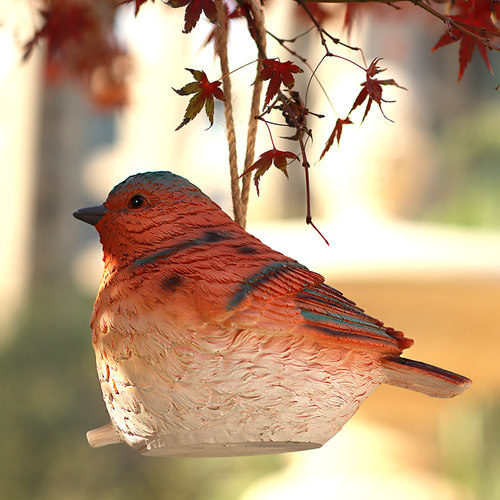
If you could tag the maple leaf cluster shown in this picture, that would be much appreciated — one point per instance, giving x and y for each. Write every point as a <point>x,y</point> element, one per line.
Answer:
<point>480,20</point>
<point>295,112</point>
<point>80,40</point>
<point>81,43</point>
<point>80,37</point>
<point>281,78</point>
<point>371,91</point>
<point>279,74</point>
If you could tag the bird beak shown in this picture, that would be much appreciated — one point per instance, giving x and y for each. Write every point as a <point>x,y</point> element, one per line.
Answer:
<point>91,215</point>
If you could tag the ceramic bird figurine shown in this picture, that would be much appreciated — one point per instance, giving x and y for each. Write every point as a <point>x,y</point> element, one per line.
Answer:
<point>210,343</point>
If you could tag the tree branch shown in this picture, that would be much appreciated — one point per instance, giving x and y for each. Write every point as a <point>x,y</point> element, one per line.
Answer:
<point>468,30</point>
<point>455,24</point>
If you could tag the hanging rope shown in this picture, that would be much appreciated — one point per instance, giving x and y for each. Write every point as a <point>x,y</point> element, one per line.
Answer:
<point>240,197</point>
<point>260,29</point>
<point>221,49</point>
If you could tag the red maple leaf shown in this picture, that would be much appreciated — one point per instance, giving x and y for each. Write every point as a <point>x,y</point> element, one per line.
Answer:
<point>262,165</point>
<point>277,73</point>
<point>355,11</point>
<point>475,15</point>
<point>372,89</point>
<point>204,93</point>
<point>320,12</point>
<point>239,11</point>
<point>81,44</point>
<point>63,23</point>
<point>138,4</point>
<point>336,133</point>
<point>193,12</point>
<point>352,11</point>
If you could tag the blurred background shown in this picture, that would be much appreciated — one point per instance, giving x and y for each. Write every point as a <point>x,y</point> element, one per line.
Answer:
<point>411,210</point>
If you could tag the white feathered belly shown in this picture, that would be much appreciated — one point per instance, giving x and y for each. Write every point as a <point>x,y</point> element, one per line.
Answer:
<point>227,393</point>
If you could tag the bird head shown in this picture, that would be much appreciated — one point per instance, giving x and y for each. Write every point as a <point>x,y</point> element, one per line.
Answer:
<point>147,211</point>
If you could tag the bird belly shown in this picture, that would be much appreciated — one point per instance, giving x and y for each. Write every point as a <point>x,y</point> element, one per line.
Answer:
<point>221,393</point>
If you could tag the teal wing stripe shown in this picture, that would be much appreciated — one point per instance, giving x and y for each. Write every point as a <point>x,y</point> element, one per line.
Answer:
<point>344,323</point>
<point>264,275</point>
<point>326,307</point>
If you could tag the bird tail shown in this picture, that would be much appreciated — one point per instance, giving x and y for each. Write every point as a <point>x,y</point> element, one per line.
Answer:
<point>424,378</point>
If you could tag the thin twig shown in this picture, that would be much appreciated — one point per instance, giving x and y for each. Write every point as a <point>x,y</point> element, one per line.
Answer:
<point>295,38</point>
<point>305,164</point>
<point>322,32</point>
<point>313,75</point>
<point>283,43</point>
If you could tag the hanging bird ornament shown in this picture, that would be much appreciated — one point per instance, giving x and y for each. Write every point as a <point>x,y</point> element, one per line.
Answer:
<point>210,343</point>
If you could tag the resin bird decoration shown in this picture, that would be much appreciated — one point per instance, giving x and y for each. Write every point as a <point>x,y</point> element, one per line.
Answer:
<point>210,343</point>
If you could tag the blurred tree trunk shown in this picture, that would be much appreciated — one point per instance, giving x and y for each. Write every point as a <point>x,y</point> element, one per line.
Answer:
<point>70,132</point>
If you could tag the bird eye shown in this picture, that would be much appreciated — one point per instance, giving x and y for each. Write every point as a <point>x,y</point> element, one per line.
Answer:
<point>136,202</point>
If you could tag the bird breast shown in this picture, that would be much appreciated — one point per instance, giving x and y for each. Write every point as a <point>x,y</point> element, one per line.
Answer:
<point>171,389</point>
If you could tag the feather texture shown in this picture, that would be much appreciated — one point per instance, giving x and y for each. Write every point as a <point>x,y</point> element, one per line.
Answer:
<point>208,342</point>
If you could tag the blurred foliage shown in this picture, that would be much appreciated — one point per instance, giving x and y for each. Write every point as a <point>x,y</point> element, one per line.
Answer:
<point>473,457</point>
<point>469,188</point>
<point>50,398</point>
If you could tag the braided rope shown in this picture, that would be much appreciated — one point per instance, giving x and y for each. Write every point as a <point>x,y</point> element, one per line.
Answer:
<point>258,16</point>
<point>221,49</point>
<point>240,198</point>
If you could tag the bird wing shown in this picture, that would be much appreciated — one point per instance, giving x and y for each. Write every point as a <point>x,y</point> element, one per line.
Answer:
<point>326,310</point>
<point>286,296</point>
<point>240,282</point>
